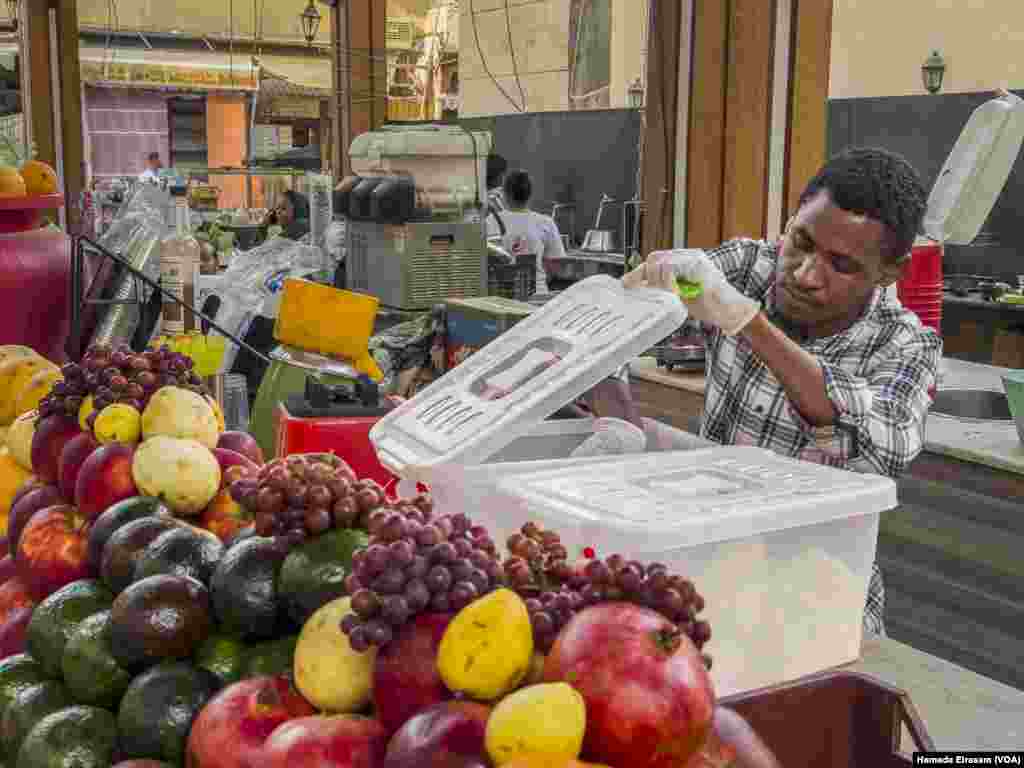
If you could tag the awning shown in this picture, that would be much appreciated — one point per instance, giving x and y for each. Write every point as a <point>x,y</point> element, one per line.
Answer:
<point>168,70</point>
<point>292,88</point>
<point>298,76</point>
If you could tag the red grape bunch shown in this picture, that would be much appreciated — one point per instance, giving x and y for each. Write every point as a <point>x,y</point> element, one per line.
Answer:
<point>415,563</point>
<point>554,590</point>
<point>115,374</point>
<point>306,495</point>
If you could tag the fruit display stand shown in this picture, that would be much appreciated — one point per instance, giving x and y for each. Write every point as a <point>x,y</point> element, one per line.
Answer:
<point>173,598</point>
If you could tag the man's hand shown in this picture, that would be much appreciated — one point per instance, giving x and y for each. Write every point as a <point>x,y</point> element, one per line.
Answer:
<point>718,304</point>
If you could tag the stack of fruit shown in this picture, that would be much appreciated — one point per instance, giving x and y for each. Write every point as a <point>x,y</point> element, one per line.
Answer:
<point>172,598</point>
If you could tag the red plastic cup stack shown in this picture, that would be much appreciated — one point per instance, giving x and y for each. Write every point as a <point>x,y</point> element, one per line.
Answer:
<point>920,288</point>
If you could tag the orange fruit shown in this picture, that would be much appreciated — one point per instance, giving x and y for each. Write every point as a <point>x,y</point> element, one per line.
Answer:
<point>40,178</point>
<point>11,182</point>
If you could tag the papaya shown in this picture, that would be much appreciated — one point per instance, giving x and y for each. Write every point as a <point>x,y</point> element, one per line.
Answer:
<point>15,374</point>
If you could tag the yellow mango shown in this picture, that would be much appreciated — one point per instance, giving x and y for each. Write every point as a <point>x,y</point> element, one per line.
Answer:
<point>38,387</point>
<point>15,374</point>
<point>487,648</point>
<point>328,672</point>
<point>548,719</point>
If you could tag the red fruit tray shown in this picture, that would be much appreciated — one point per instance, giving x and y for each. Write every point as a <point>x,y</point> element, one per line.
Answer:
<point>834,720</point>
<point>21,214</point>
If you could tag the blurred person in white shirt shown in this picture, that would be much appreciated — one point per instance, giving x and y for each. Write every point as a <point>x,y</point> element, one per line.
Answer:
<point>527,232</point>
<point>153,166</point>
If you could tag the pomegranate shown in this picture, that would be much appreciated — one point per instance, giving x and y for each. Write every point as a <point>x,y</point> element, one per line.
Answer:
<point>649,697</point>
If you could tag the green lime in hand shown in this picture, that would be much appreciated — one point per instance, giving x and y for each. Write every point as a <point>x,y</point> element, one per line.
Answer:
<point>688,290</point>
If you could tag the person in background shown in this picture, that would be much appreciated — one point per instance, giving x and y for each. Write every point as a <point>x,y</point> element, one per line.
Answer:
<point>153,166</point>
<point>527,232</point>
<point>806,353</point>
<point>496,168</point>
<point>291,214</point>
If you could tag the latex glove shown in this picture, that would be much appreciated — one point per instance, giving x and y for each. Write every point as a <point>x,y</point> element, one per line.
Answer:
<point>718,304</point>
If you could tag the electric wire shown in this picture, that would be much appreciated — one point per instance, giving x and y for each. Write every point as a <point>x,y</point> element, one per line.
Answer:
<point>512,53</point>
<point>483,60</point>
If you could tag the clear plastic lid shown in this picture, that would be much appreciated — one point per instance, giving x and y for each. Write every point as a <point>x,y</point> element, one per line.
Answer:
<point>654,502</point>
<point>546,360</point>
<point>976,171</point>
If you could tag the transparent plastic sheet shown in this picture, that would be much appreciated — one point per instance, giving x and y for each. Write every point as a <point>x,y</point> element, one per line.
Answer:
<point>135,233</point>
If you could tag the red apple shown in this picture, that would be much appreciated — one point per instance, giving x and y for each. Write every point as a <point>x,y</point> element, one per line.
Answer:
<point>29,485</point>
<point>52,551</point>
<point>405,676</point>
<point>7,569</point>
<point>231,729</point>
<point>105,479</point>
<point>22,510</point>
<point>339,741</point>
<point>648,694</point>
<point>243,443</point>
<point>16,605</point>
<point>76,451</point>
<point>48,441</point>
<point>438,736</point>
<point>225,517</point>
<point>732,742</point>
<point>227,459</point>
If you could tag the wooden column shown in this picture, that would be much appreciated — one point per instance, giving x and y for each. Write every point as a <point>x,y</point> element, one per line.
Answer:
<point>659,166</point>
<point>359,76</point>
<point>807,140</point>
<point>755,91</point>
<point>39,101</point>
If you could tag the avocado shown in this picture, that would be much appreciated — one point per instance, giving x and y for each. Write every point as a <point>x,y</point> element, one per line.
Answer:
<point>273,657</point>
<point>16,674</point>
<point>122,513</point>
<point>314,573</point>
<point>28,708</point>
<point>224,656</point>
<point>75,737</point>
<point>161,617</point>
<point>91,672</point>
<point>58,616</point>
<point>244,588</point>
<point>183,551</point>
<point>158,708</point>
<point>124,547</point>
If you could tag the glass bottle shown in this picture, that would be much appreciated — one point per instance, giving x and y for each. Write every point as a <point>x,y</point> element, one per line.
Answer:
<point>179,256</point>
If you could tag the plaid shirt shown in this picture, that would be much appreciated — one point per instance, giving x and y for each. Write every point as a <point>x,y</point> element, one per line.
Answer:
<point>877,375</point>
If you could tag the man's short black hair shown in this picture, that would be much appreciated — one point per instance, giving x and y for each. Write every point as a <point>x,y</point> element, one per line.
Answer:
<point>875,182</point>
<point>153,156</point>
<point>518,188</point>
<point>496,167</point>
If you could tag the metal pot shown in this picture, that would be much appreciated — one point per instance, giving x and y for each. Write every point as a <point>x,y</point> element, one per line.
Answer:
<point>600,241</point>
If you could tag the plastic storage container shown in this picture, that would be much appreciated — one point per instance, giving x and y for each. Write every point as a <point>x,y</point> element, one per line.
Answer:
<point>780,549</point>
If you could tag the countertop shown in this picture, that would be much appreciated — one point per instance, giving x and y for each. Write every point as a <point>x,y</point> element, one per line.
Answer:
<point>960,709</point>
<point>993,444</point>
<point>975,300</point>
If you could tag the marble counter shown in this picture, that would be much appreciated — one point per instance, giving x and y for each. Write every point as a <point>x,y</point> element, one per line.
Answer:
<point>993,444</point>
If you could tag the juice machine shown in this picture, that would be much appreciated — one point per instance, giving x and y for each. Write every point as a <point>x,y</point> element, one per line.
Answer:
<point>414,213</point>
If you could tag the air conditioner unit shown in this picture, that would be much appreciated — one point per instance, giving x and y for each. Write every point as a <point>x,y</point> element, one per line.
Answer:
<point>399,34</point>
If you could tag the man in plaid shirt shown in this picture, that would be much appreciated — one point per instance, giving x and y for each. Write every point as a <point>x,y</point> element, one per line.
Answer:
<point>806,354</point>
